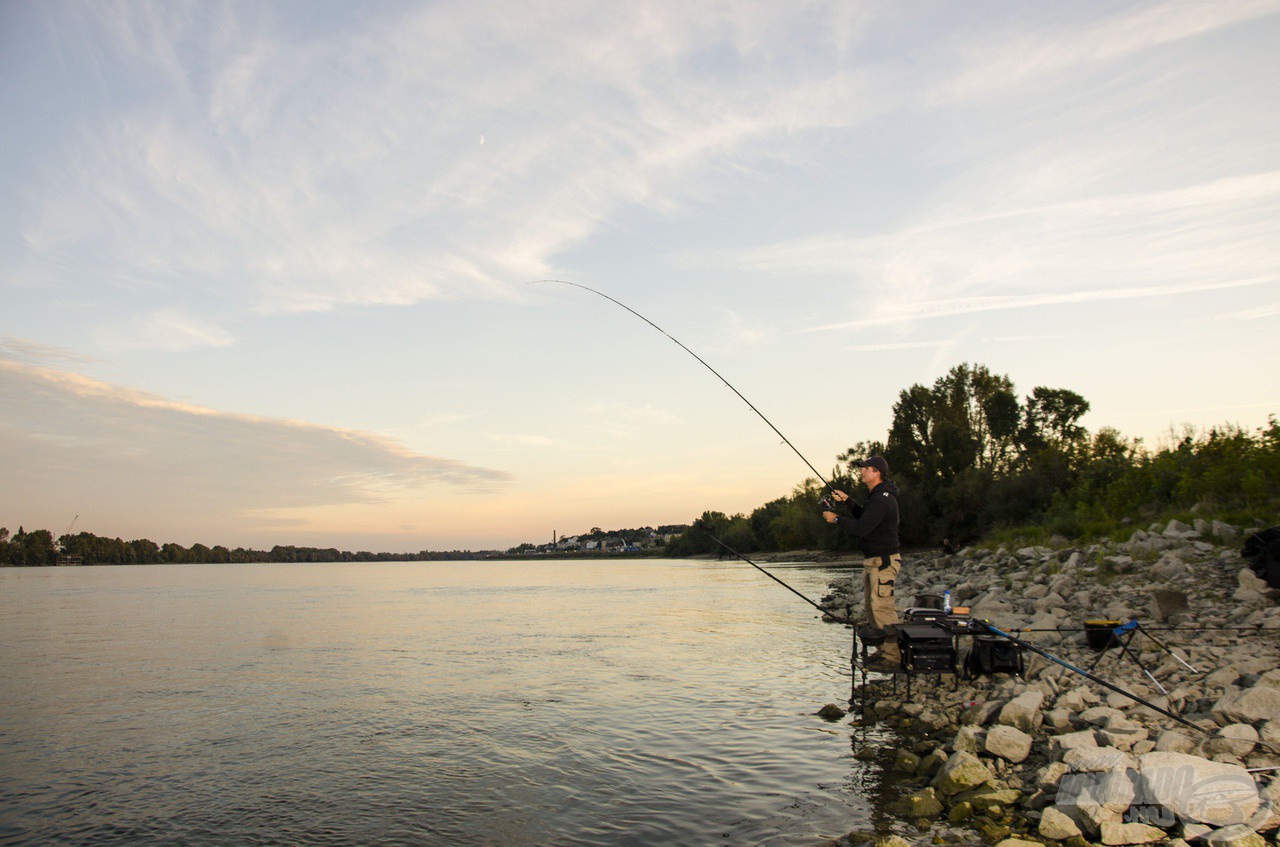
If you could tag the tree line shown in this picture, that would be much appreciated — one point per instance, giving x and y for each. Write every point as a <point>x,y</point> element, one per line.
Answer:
<point>39,547</point>
<point>972,458</point>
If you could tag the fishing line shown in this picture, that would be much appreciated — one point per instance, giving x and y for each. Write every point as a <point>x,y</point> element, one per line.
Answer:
<point>826,612</point>
<point>701,361</point>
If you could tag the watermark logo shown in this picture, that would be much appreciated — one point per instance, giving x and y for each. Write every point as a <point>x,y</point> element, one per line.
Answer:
<point>1219,795</point>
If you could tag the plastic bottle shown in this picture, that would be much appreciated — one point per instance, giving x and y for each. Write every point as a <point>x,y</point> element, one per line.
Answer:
<point>946,601</point>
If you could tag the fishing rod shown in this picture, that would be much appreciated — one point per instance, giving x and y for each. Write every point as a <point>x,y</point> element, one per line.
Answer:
<point>701,361</point>
<point>708,533</point>
<point>826,613</point>
<point>1033,648</point>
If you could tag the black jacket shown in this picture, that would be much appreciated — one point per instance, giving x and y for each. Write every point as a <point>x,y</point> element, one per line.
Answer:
<point>875,522</point>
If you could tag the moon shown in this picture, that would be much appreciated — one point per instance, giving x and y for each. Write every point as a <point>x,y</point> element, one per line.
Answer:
<point>482,139</point>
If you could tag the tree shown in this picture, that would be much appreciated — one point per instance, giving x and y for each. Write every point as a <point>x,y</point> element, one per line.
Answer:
<point>1051,419</point>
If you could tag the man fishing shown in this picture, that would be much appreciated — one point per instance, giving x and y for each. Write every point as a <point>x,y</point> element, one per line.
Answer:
<point>875,523</point>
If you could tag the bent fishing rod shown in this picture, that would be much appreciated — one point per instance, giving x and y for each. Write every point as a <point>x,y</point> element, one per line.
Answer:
<point>702,362</point>
<point>826,612</point>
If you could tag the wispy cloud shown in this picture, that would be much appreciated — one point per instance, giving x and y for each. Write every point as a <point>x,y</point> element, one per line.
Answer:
<point>294,167</point>
<point>34,353</point>
<point>163,329</point>
<point>75,439</point>
<point>1266,310</point>
<point>952,308</point>
<point>1017,55</point>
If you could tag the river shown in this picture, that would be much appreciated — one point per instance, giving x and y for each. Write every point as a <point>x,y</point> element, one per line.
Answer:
<point>627,702</point>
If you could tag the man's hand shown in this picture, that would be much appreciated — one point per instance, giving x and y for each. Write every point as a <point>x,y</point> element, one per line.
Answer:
<point>839,495</point>
<point>830,516</point>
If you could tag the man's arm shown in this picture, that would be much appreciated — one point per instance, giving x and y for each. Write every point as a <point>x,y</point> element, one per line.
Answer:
<point>866,518</point>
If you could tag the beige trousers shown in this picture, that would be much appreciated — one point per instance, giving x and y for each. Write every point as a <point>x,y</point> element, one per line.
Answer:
<point>878,581</point>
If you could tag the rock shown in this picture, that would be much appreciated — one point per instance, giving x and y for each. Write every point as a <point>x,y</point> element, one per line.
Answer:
<point>1098,760</point>
<point>1009,743</point>
<point>930,764</point>
<point>1196,789</point>
<point>1176,529</point>
<point>1172,741</point>
<point>1250,705</point>
<point>920,804</point>
<point>1023,711</point>
<point>1018,842</point>
<point>1074,700</point>
<point>1225,532</point>
<point>985,798</point>
<point>979,714</point>
<point>1131,833</point>
<point>1122,733</point>
<point>1195,831</point>
<point>1093,799</point>
<point>1049,775</point>
<point>1058,720</point>
<point>831,712</point>
<point>1100,715</point>
<point>1253,590</point>
<point>1237,835</point>
<point>1165,603</point>
<point>1267,817</point>
<point>1237,740</point>
<point>969,739</point>
<point>960,773</point>
<point>1060,745</point>
<point>892,841</point>
<point>1057,826</point>
<point>904,761</point>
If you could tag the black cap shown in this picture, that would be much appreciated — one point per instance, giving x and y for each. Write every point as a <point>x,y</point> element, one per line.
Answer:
<point>876,462</point>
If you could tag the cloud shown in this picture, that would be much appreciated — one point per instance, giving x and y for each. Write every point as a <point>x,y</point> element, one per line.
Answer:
<point>953,308</point>
<point>1016,56</point>
<point>163,329</point>
<point>1208,236</point>
<point>68,439</point>
<point>341,167</point>
<point>1267,310</point>
<point>31,352</point>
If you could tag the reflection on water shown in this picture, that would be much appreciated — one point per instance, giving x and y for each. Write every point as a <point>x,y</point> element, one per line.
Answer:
<point>421,703</point>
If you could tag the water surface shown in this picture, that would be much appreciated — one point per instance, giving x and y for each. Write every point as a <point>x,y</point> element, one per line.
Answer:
<point>515,703</point>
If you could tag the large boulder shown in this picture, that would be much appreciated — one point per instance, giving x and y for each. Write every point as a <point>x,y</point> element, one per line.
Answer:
<point>1249,705</point>
<point>961,772</point>
<point>920,804</point>
<point>1236,835</point>
<point>1008,743</point>
<point>1236,740</point>
<point>1197,790</point>
<point>1023,711</point>
<point>1093,799</point>
<point>1058,826</point>
<point>1116,833</point>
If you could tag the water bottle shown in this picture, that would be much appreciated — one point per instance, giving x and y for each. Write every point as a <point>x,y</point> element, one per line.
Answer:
<point>946,601</point>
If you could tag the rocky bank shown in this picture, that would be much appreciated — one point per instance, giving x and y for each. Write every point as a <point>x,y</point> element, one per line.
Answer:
<point>1051,757</point>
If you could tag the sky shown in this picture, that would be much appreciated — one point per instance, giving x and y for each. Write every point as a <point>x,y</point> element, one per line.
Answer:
<point>268,269</point>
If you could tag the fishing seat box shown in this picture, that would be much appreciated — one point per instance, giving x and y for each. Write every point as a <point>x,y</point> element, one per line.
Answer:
<point>926,648</point>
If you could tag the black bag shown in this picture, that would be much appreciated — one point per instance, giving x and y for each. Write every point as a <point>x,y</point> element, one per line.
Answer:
<point>1262,550</point>
<point>993,654</point>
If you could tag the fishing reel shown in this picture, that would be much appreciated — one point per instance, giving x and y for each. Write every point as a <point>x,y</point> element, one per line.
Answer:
<point>826,505</point>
